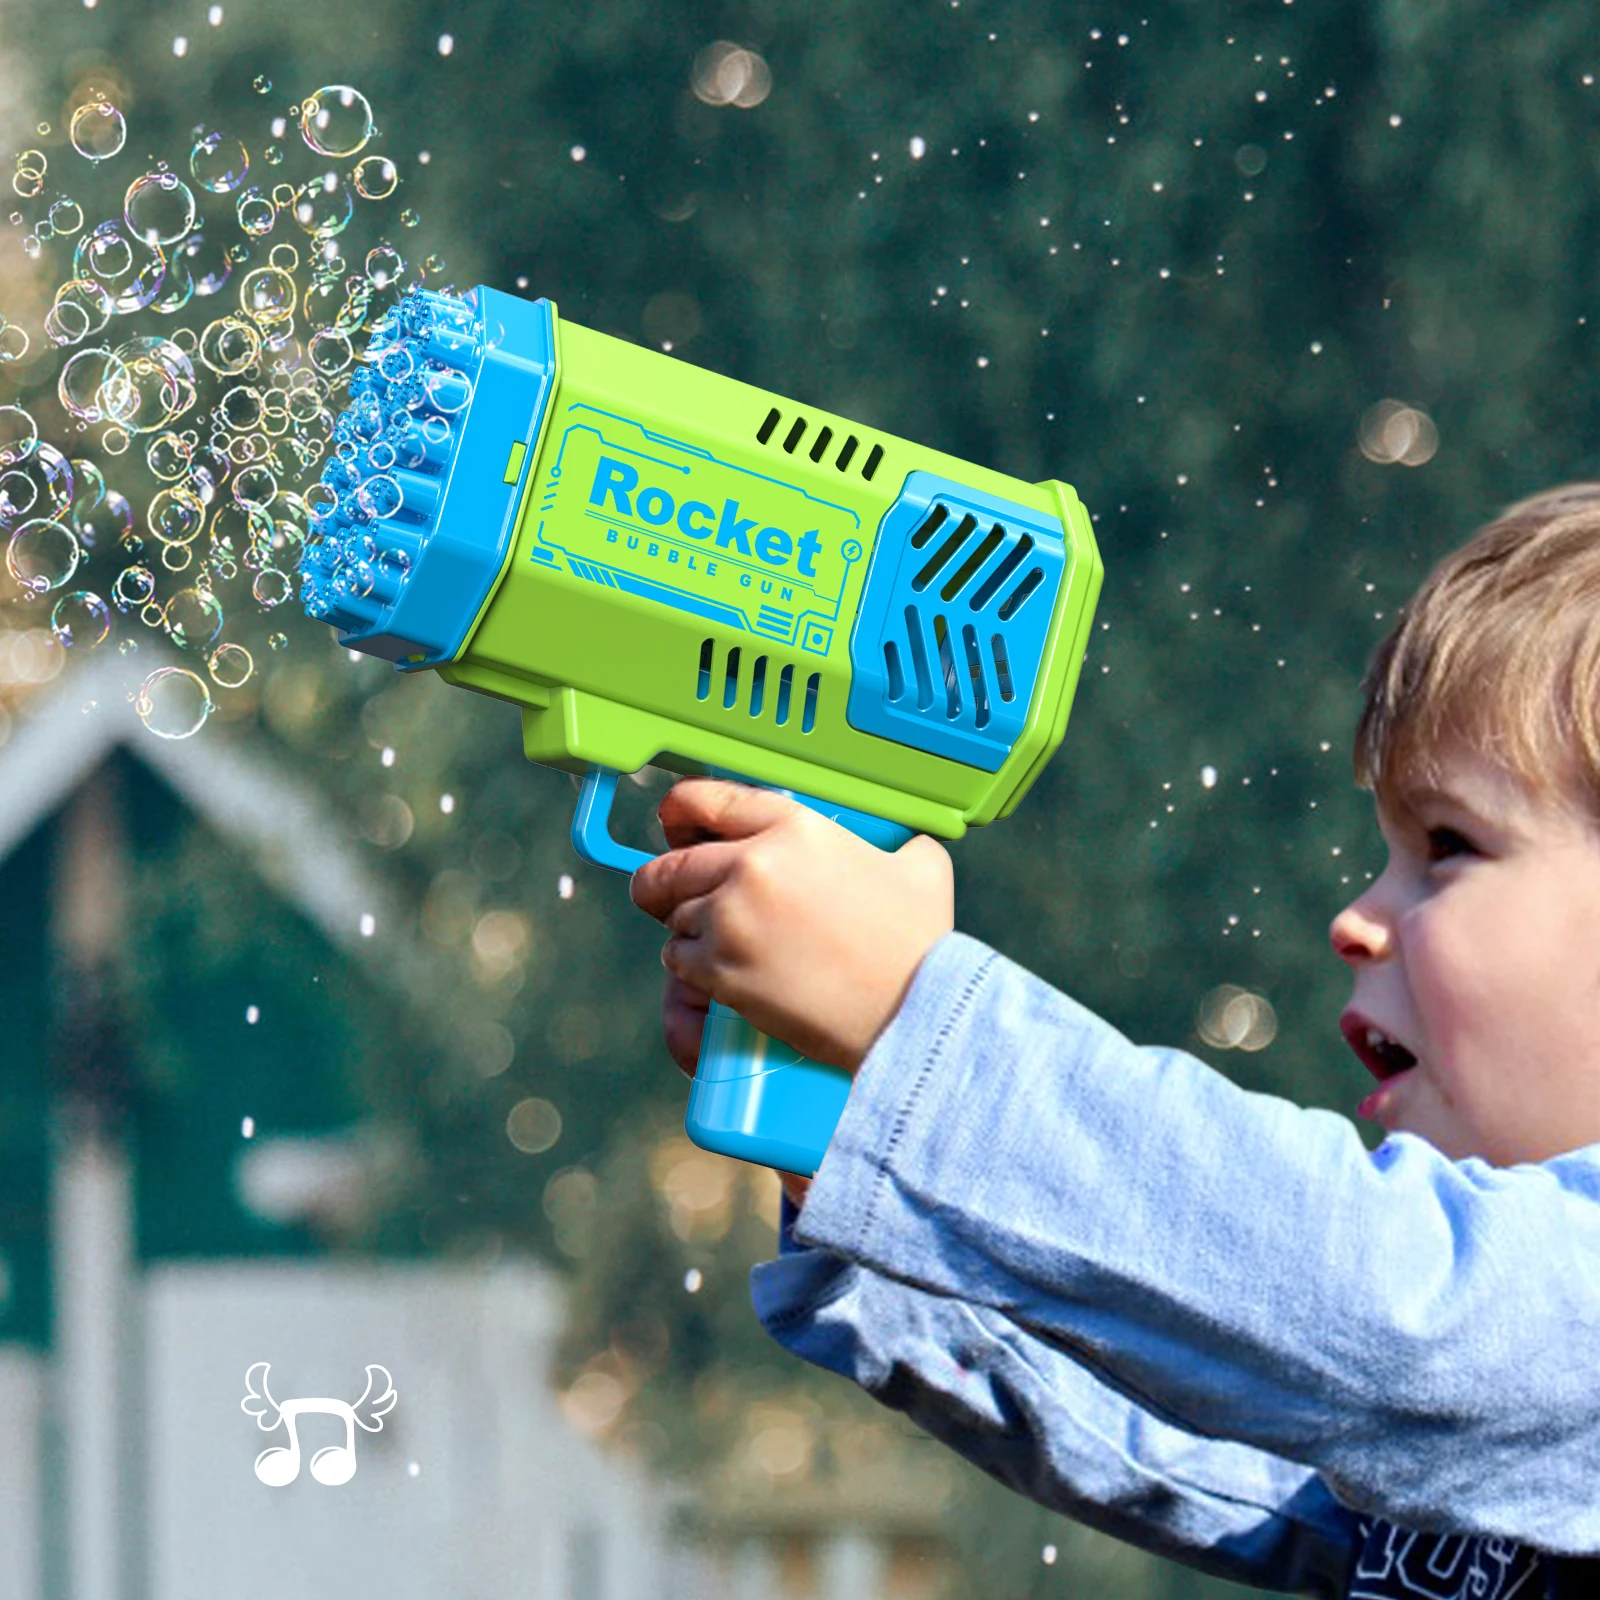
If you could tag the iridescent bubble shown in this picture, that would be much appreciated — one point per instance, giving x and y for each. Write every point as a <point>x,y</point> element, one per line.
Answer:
<point>384,265</point>
<point>329,351</point>
<point>66,216</point>
<point>256,211</point>
<point>169,456</point>
<point>43,555</point>
<point>80,620</point>
<point>19,433</point>
<point>271,588</point>
<point>83,381</point>
<point>231,666</point>
<point>193,619</point>
<point>267,295</point>
<point>153,385</point>
<point>375,177</point>
<point>176,515</point>
<point>13,342</point>
<point>173,702</point>
<point>97,130</point>
<point>40,484</point>
<point>410,217</point>
<point>262,84</point>
<point>230,345</point>
<point>129,269</point>
<point>82,307</point>
<point>135,587</point>
<point>255,487</point>
<point>159,208</point>
<point>336,120</point>
<point>323,207</point>
<point>218,162</point>
<point>278,641</point>
<point>207,263</point>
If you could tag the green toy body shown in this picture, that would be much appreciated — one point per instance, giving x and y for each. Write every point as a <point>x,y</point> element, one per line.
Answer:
<point>663,566</point>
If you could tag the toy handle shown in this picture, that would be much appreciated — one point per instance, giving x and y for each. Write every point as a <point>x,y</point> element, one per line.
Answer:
<point>753,1098</point>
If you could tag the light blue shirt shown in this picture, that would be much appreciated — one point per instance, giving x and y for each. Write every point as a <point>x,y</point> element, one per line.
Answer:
<point>1206,1321</point>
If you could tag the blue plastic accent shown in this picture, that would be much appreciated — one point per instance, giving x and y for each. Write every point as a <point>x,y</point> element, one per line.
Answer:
<point>591,833</point>
<point>447,387</point>
<point>965,698</point>
<point>753,1098</point>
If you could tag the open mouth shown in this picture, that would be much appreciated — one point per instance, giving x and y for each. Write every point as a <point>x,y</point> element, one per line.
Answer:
<point>1382,1055</point>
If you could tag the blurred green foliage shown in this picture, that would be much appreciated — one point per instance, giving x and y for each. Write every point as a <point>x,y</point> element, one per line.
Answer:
<point>1173,256</point>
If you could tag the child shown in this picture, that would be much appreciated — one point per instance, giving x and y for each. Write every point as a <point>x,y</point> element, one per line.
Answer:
<point>1206,1321</point>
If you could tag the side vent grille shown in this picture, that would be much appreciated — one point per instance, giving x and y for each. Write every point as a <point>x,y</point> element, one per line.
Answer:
<point>953,621</point>
<point>820,445</point>
<point>755,700</point>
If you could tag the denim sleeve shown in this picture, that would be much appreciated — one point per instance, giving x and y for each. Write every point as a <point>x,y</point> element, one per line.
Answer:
<point>1031,1416</point>
<point>1420,1333</point>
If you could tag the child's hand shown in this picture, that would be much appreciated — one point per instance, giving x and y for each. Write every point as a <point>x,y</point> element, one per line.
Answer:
<point>804,929</point>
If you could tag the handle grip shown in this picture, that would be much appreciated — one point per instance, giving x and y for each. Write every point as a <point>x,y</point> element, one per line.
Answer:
<point>753,1098</point>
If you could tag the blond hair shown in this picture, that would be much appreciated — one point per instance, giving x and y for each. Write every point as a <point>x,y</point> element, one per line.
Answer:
<point>1499,651</point>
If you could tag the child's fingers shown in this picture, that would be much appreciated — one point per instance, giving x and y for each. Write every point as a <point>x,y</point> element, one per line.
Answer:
<point>701,808</point>
<point>683,1017</point>
<point>660,886</point>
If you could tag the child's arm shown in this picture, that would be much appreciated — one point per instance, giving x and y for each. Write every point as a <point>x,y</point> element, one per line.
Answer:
<point>1419,1332</point>
<point>1042,1424</point>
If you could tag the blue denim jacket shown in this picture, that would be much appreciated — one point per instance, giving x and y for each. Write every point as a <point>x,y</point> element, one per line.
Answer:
<point>1206,1321</point>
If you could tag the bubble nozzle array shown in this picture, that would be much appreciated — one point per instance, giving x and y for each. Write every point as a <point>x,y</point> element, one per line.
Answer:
<point>377,502</point>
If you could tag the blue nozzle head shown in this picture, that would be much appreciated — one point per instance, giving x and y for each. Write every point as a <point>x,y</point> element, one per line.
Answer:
<point>412,517</point>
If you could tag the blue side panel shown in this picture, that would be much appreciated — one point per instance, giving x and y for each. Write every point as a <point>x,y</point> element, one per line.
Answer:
<point>953,621</point>
<point>416,488</point>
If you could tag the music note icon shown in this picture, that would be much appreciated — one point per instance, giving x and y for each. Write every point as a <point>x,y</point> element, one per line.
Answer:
<point>279,1465</point>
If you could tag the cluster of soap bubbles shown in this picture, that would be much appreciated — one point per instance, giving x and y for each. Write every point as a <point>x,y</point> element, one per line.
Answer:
<point>378,493</point>
<point>212,422</point>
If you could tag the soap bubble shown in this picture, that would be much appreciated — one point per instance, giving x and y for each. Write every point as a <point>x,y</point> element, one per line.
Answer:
<point>39,485</point>
<point>323,207</point>
<point>262,84</point>
<point>230,345</point>
<point>42,555</point>
<point>135,587</point>
<point>152,384</point>
<point>336,120</point>
<point>159,208</point>
<point>128,268</point>
<point>268,296</point>
<point>82,308</point>
<point>173,703</point>
<point>231,666</point>
<point>169,456</point>
<point>256,211</point>
<point>97,130</point>
<point>80,620</point>
<point>218,161</point>
<point>66,216</point>
<point>375,178</point>
<point>19,433</point>
<point>83,381</point>
<point>193,618</point>
<point>176,515</point>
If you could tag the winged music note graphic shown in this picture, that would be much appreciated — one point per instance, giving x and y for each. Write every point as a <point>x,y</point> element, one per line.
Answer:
<point>333,1464</point>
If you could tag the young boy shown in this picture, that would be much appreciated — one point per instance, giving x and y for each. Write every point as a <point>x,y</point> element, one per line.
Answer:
<point>1206,1321</point>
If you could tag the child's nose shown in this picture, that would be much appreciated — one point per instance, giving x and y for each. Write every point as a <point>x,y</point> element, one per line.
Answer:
<point>1359,934</point>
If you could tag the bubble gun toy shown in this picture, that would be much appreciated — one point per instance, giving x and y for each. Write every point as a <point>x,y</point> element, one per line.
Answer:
<point>663,566</point>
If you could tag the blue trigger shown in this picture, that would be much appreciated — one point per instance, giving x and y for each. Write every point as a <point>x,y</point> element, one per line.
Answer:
<point>591,835</point>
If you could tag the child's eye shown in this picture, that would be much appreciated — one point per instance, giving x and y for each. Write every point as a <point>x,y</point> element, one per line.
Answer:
<point>1446,842</point>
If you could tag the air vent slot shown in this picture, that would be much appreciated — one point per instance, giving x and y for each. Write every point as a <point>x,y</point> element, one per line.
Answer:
<point>758,684</point>
<point>919,658</point>
<point>730,681</point>
<point>874,456</point>
<point>813,685</point>
<point>1002,667</point>
<point>944,552</point>
<point>820,443</point>
<point>847,452</point>
<point>980,690</point>
<point>935,520</point>
<point>703,688</point>
<point>947,669</point>
<point>764,432</point>
<point>990,585</point>
<point>785,689</point>
<point>795,434</point>
<point>1012,603</point>
<point>968,568</point>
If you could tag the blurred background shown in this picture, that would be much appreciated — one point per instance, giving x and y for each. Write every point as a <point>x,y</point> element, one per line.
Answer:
<point>319,1045</point>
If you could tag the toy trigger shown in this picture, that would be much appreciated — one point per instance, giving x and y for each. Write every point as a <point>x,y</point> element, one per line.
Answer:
<point>591,835</point>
